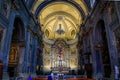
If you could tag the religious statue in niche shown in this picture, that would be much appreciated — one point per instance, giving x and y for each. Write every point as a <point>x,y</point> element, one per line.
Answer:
<point>13,55</point>
<point>1,36</point>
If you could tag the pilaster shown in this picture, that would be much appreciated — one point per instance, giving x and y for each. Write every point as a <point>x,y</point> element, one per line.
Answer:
<point>111,46</point>
<point>96,74</point>
<point>6,45</point>
<point>33,57</point>
<point>25,62</point>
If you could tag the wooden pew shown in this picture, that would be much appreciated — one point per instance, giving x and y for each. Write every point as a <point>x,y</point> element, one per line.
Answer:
<point>79,79</point>
<point>66,79</point>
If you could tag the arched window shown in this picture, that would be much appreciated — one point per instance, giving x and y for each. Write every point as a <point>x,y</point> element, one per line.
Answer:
<point>92,3</point>
<point>25,1</point>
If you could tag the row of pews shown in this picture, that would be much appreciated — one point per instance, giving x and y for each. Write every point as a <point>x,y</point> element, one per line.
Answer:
<point>66,79</point>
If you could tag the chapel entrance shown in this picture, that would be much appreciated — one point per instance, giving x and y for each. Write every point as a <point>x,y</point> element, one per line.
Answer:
<point>16,48</point>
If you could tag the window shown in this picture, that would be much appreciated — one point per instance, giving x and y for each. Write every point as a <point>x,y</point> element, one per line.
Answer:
<point>92,3</point>
<point>25,1</point>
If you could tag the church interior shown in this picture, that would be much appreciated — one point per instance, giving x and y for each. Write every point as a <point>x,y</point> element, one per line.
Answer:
<point>61,39</point>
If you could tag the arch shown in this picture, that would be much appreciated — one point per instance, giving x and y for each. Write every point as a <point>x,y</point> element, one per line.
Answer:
<point>45,3</point>
<point>17,46</point>
<point>60,41</point>
<point>18,22</point>
<point>101,49</point>
<point>61,13</point>
<point>98,28</point>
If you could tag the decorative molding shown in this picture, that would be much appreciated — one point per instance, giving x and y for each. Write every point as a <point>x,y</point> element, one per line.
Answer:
<point>3,20</point>
<point>15,5</point>
<point>114,24</point>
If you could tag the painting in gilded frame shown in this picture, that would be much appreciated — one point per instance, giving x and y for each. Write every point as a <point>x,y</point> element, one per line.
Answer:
<point>13,54</point>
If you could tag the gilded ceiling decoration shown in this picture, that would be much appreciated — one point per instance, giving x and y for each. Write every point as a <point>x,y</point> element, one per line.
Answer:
<point>60,19</point>
<point>60,27</point>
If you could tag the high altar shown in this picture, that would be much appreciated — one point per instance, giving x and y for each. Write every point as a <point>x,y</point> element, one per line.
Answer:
<point>60,57</point>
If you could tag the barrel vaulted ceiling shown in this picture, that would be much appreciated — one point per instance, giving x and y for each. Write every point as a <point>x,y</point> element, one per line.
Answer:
<point>60,18</point>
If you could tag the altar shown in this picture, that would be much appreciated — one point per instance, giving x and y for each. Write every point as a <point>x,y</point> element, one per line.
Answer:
<point>60,70</point>
<point>60,58</point>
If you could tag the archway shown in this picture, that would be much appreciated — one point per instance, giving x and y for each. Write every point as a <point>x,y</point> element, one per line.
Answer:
<point>101,49</point>
<point>16,48</point>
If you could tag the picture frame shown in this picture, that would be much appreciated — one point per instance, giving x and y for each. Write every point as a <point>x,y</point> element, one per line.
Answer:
<point>13,54</point>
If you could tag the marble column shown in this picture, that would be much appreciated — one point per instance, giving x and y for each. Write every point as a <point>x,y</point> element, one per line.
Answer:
<point>52,59</point>
<point>96,74</point>
<point>26,54</point>
<point>111,46</point>
<point>33,57</point>
<point>6,45</point>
